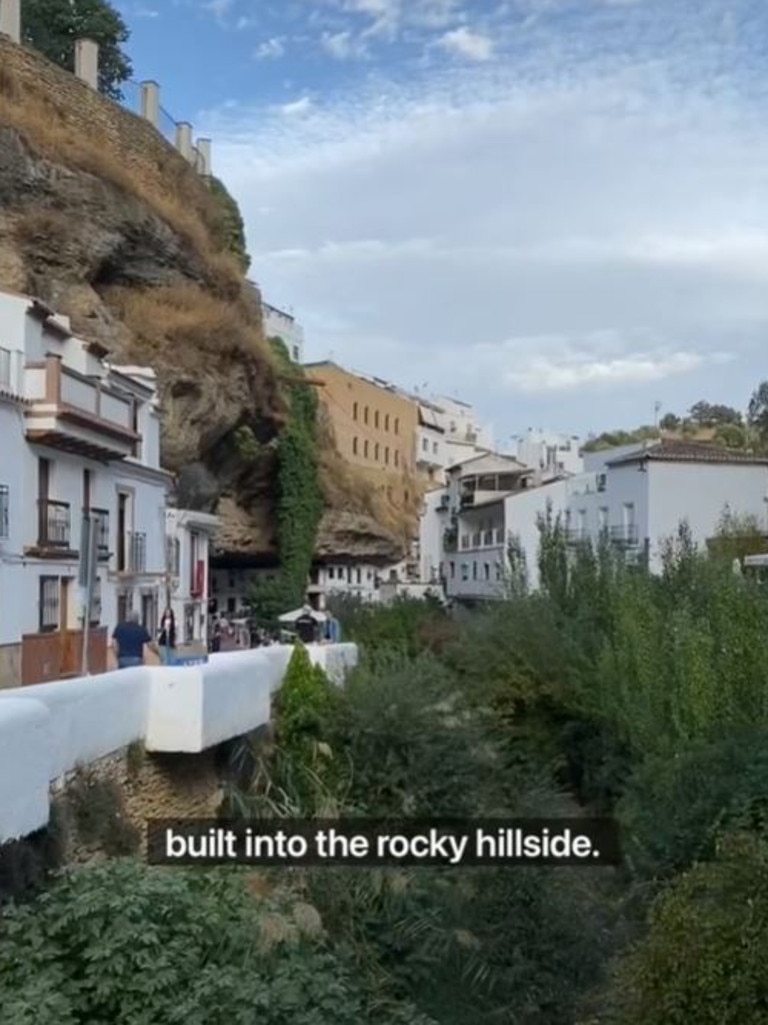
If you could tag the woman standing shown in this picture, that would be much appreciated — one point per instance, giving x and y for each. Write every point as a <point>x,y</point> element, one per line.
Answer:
<point>167,638</point>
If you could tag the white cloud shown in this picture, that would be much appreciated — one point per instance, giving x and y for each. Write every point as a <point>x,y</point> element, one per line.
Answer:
<point>342,45</point>
<point>530,233</point>
<point>297,107</point>
<point>464,43</point>
<point>218,8</point>
<point>270,49</point>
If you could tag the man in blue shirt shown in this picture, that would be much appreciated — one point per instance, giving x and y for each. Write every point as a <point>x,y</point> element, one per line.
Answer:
<point>128,640</point>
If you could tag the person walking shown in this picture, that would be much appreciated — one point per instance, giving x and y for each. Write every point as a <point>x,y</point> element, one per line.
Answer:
<point>306,626</point>
<point>216,636</point>
<point>129,639</point>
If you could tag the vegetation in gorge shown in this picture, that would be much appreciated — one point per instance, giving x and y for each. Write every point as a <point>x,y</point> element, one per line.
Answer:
<point>299,499</point>
<point>232,230</point>
<point>608,690</point>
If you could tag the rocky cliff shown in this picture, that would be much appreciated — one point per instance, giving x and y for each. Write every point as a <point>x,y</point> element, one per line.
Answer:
<point>106,222</point>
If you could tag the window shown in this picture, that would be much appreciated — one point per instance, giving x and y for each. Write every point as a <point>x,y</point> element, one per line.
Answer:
<point>149,613</point>
<point>386,421</point>
<point>499,573</point>
<point>354,446</point>
<point>365,415</point>
<point>123,607</point>
<point>465,571</point>
<point>452,566</point>
<point>354,411</point>
<point>434,448</point>
<point>376,419</point>
<point>365,448</point>
<point>95,617</point>
<point>386,455</point>
<point>397,425</point>
<point>487,569</point>
<point>50,593</point>
<point>296,354</point>
<point>231,605</point>
<point>474,571</point>
<point>397,458</point>
<point>376,451</point>
<point>214,583</point>
<point>424,445</point>
<point>602,518</point>
<point>330,572</point>
<point>359,576</point>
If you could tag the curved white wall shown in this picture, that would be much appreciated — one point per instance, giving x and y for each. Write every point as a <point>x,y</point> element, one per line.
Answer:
<point>50,729</point>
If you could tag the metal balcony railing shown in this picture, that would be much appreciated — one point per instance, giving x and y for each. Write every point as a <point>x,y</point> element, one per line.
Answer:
<point>54,524</point>
<point>132,553</point>
<point>626,534</point>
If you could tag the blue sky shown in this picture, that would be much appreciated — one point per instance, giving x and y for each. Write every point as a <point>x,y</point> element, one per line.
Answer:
<point>556,209</point>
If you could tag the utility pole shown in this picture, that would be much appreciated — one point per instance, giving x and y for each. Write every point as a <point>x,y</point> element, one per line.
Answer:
<point>87,578</point>
<point>656,411</point>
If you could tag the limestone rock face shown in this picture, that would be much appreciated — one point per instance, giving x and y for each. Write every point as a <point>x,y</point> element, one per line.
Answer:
<point>106,222</point>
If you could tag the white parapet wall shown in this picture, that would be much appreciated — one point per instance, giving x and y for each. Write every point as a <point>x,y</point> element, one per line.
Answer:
<point>51,729</point>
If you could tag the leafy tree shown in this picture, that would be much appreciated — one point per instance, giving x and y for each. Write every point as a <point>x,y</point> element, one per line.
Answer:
<point>704,959</point>
<point>732,435</point>
<point>53,26</point>
<point>757,414</point>
<point>669,422</point>
<point>705,414</point>
<point>232,229</point>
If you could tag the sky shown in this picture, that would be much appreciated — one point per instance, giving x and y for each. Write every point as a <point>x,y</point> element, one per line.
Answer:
<point>556,210</point>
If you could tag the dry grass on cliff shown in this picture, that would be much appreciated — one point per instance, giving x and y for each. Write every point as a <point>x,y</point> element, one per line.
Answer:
<point>169,187</point>
<point>192,322</point>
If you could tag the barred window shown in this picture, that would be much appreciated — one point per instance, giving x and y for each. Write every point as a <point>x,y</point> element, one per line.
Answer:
<point>50,591</point>
<point>95,616</point>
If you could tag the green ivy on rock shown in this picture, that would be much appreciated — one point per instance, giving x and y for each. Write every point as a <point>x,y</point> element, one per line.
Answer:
<point>299,498</point>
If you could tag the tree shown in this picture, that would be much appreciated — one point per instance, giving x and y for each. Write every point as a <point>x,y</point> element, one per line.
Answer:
<point>757,414</point>
<point>669,422</point>
<point>53,26</point>
<point>705,414</point>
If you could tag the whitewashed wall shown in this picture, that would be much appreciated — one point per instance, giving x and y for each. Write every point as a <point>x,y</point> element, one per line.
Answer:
<point>50,729</point>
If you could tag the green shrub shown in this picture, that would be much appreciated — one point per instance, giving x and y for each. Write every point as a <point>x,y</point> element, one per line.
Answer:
<point>704,958</point>
<point>129,945</point>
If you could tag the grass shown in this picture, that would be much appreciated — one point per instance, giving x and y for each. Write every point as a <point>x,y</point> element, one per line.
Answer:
<point>167,185</point>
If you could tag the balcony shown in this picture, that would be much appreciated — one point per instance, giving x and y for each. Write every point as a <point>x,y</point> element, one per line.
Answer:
<point>625,535</point>
<point>54,531</point>
<point>77,414</point>
<point>577,536</point>
<point>132,553</point>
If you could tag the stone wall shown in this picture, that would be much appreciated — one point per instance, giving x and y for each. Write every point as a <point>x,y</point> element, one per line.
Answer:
<point>128,789</point>
<point>85,114</point>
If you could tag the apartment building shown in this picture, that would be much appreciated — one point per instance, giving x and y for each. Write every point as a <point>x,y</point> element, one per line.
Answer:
<point>279,324</point>
<point>375,426</point>
<point>188,536</point>
<point>553,454</point>
<point>635,497</point>
<point>80,443</point>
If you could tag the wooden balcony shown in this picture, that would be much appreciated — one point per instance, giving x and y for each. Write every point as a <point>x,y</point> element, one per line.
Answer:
<point>77,414</point>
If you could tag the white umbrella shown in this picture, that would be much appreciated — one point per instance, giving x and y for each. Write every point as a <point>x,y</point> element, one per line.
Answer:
<point>291,617</point>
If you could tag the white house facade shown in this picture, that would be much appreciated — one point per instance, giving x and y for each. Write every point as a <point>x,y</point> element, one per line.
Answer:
<point>80,442</point>
<point>553,454</point>
<point>636,497</point>
<point>188,537</point>
<point>279,324</point>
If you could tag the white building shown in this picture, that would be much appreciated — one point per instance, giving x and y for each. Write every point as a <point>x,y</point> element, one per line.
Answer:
<point>553,454</point>
<point>279,324</point>
<point>635,496</point>
<point>78,436</point>
<point>461,425</point>
<point>188,537</point>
